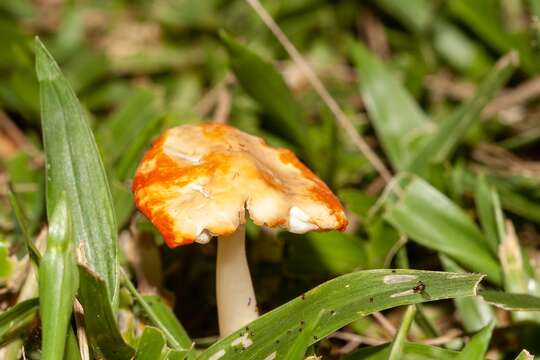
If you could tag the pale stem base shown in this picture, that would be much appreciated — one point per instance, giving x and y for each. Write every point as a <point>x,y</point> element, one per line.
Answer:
<point>236,301</point>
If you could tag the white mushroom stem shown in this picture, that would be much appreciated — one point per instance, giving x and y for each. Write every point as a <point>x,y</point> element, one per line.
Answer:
<point>236,301</point>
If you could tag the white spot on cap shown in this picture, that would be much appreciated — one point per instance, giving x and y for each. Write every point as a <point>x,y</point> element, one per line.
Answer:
<point>199,188</point>
<point>172,152</point>
<point>396,279</point>
<point>204,237</point>
<point>243,340</point>
<point>403,293</point>
<point>217,355</point>
<point>299,221</point>
<point>272,356</point>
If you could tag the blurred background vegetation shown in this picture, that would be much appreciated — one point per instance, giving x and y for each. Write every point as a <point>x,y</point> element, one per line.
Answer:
<point>421,81</point>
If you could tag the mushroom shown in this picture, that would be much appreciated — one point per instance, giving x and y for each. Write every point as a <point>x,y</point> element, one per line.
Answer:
<point>197,181</point>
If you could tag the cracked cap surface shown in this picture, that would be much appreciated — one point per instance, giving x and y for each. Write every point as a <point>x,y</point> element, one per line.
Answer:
<point>197,181</point>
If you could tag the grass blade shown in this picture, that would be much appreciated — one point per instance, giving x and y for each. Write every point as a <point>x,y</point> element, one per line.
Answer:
<point>346,298</point>
<point>512,302</point>
<point>524,355</point>
<point>474,311</point>
<point>302,342</point>
<point>486,205</point>
<point>398,345</point>
<point>99,318</point>
<point>412,351</point>
<point>450,132</point>
<point>58,283</point>
<point>74,167</point>
<point>17,316</point>
<point>428,217</point>
<point>21,219</point>
<point>162,317</point>
<point>476,347</point>
<point>270,90</point>
<point>397,118</point>
<point>151,344</point>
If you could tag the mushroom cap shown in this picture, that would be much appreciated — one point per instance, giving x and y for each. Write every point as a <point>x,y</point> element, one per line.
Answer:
<point>197,181</point>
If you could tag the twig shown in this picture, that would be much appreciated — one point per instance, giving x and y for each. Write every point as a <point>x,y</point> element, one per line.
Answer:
<point>348,336</point>
<point>443,339</point>
<point>207,102</point>
<point>17,136</point>
<point>442,85</point>
<point>386,325</point>
<point>78,312</point>
<point>524,92</point>
<point>223,107</point>
<point>373,30</point>
<point>340,116</point>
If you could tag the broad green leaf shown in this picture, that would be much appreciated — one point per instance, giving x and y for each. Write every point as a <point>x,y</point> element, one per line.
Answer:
<point>161,317</point>
<point>58,283</point>
<point>99,318</point>
<point>74,167</point>
<point>412,351</point>
<point>151,345</point>
<point>512,302</point>
<point>264,84</point>
<point>17,317</point>
<point>450,132</point>
<point>428,217</point>
<point>346,298</point>
<point>477,346</point>
<point>398,345</point>
<point>397,118</point>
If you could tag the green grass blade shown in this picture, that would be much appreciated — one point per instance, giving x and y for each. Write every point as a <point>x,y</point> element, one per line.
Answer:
<point>17,315</point>
<point>476,347</point>
<point>151,345</point>
<point>474,311</point>
<point>162,317</point>
<point>524,355</point>
<point>398,345</point>
<point>99,318</point>
<point>511,302</point>
<point>450,132</point>
<point>412,351</point>
<point>298,347</point>
<point>483,197</point>
<point>346,298</point>
<point>428,217</point>
<point>397,118</point>
<point>21,219</point>
<point>269,90</point>
<point>482,17</point>
<point>74,167</point>
<point>416,15</point>
<point>58,283</point>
